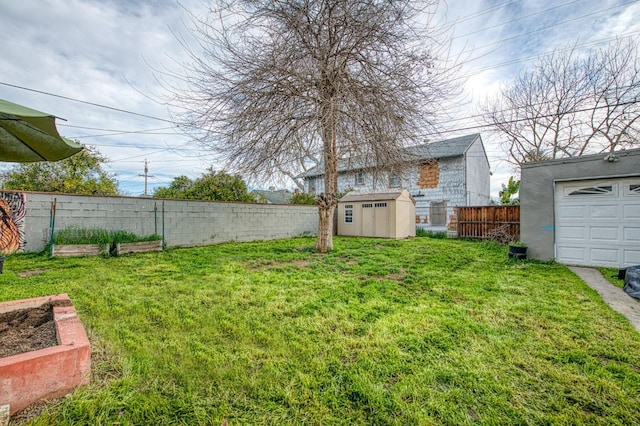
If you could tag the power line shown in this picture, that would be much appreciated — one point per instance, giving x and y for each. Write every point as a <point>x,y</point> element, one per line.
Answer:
<point>88,103</point>
<point>556,24</point>
<point>517,19</point>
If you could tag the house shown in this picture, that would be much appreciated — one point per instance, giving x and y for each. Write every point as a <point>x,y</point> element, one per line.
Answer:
<point>583,210</point>
<point>377,214</point>
<point>440,176</point>
<point>274,196</point>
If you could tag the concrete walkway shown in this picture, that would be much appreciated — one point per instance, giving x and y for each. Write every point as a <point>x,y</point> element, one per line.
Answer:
<point>612,295</point>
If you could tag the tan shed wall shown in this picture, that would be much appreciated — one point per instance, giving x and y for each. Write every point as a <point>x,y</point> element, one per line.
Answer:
<point>394,221</point>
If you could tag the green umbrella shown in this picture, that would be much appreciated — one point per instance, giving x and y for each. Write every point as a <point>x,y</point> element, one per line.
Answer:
<point>27,135</point>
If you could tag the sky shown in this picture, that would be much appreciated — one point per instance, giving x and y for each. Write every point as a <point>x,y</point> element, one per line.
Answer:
<point>95,65</point>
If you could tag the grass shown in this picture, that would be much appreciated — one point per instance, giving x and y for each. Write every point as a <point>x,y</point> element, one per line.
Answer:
<point>611,274</point>
<point>76,235</point>
<point>421,232</point>
<point>422,331</point>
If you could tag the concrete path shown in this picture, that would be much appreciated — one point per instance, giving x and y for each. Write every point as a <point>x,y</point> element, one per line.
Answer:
<point>612,295</point>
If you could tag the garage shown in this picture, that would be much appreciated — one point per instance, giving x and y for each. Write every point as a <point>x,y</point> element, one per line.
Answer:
<point>598,222</point>
<point>583,210</point>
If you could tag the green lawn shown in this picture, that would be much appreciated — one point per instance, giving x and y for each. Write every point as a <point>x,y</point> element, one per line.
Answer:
<point>424,331</point>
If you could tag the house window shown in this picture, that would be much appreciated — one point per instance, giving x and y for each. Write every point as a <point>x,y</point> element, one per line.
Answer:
<point>634,188</point>
<point>381,204</point>
<point>367,206</point>
<point>312,185</point>
<point>348,213</point>
<point>360,178</point>
<point>438,213</point>
<point>593,190</point>
<point>394,180</point>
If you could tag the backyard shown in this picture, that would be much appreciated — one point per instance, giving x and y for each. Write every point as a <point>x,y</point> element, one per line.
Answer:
<point>421,331</point>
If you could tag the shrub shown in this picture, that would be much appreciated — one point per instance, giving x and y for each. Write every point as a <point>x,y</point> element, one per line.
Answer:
<point>303,198</point>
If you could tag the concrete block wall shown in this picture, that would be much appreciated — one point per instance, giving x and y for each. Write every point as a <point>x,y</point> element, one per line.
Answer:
<point>186,222</point>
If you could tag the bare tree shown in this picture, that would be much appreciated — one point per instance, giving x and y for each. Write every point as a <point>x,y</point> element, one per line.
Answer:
<point>570,105</point>
<point>272,81</point>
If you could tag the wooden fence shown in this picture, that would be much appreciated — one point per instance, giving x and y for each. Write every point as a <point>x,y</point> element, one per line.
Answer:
<point>500,223</point>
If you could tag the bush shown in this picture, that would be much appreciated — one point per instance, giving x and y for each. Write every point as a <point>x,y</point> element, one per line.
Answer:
<point>303,198</point>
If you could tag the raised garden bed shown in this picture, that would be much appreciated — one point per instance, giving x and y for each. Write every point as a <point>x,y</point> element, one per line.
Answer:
<point>48,372</point>
<point>140,247</point>
<point>70,250</point>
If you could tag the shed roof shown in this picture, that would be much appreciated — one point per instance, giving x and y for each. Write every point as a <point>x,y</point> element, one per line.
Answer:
<point>354,196</point>
<point>453,147</point>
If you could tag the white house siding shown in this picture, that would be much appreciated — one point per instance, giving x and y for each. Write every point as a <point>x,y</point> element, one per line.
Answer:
<point>478,176</point>
<point>451,188</point>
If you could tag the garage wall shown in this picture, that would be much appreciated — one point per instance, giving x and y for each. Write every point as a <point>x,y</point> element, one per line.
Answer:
<point>538,179</point>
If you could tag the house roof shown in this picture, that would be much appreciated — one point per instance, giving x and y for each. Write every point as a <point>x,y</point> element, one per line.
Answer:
<point>453,147</point>
<point>282,196</point>
<point>354,196</point>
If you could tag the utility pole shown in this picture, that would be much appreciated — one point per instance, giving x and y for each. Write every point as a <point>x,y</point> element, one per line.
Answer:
<point>146,176</point>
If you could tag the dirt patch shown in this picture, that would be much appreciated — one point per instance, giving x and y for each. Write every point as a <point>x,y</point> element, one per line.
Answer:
<point>279,265</point>
<point>32,272</point>
<point>27,330</point>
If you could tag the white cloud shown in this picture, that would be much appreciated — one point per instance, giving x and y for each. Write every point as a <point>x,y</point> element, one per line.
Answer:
<point>105,51</point>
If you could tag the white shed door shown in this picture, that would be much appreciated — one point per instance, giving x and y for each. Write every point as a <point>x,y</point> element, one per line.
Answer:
<point>598,222</point>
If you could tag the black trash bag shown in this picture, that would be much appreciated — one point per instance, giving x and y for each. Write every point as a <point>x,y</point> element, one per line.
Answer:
<point>632,281</point>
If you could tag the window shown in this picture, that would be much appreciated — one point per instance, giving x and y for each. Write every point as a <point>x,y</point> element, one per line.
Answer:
<point>438,213</point>
<point>593,190</point>
<point>360,178</point>
<point>312,185</point>
<point>381,204</point>
<point>634,188</point>
<point>394,180</point>
<point>348,213</point>
<point>367,206</point>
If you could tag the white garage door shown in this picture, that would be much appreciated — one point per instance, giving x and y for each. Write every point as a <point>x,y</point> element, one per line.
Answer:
<point>598,222</point>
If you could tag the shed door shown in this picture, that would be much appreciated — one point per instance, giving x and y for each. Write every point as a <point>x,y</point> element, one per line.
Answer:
<point>368,220</point>
<point>598,222</point>
<point>382,219</point>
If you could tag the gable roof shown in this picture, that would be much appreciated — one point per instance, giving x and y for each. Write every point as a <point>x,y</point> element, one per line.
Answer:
<point>453,147</point>
<point>354,196</point>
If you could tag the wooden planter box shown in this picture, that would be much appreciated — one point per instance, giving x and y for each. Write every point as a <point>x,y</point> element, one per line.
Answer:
<point>141,247</point>
<point>50,372</point>
<point>70,250</point>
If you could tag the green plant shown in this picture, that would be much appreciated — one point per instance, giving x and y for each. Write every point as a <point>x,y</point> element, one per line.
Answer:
<point>517,244</point>
<point>421,232</point>
<point>303,198</point>
<point>80,235</point>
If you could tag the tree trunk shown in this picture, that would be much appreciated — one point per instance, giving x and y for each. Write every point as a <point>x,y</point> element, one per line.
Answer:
<point>326,207</point>
<point>327,200</point>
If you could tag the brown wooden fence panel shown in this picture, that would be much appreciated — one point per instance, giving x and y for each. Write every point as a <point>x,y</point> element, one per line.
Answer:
<point>489,222</point>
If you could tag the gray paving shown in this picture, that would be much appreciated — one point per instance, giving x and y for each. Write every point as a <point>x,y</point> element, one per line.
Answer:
<point>614,296</point>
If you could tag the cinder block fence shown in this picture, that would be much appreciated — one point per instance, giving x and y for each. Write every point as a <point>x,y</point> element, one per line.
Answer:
<point>183,222</point>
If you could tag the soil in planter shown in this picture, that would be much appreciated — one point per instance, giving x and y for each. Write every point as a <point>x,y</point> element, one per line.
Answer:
<point>27,330</point>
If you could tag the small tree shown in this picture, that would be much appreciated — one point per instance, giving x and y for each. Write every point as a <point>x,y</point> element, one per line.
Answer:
<point>275,81</point>
<point>211,186</point>
<point>81,173</point>
<point>508,191</point>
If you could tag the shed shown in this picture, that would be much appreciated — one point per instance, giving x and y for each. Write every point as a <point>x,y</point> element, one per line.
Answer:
<point>583,210</point>
<point>388,214</point>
